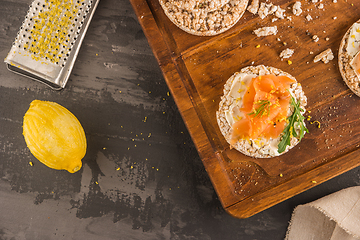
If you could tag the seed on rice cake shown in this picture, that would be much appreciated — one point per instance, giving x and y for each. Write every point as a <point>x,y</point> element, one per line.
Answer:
<point>261,111</point>
<point>204,17</point>
<point>349,58</point>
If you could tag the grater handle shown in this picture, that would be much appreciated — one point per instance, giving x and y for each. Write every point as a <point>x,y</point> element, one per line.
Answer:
<point>24,73</point>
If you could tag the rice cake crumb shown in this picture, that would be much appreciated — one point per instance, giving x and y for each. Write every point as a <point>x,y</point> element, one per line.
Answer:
<point>315,38</point>
<point>280,13</point>
<point>263,10</point>
<point>253,7</point>
<point>308,17</point>
<point>266,31</point>
<point>325,56</point>
<point>266,9</point>
<point>287,53</point>
<point>297,8</point>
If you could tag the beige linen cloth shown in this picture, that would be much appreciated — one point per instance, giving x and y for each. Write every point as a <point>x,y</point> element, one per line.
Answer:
<point>333,217</point>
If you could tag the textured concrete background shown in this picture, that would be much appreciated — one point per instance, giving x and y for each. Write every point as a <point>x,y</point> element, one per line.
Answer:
<point>118,93</point>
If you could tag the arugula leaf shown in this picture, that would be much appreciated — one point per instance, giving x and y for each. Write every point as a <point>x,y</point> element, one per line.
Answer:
<point>289,131</point>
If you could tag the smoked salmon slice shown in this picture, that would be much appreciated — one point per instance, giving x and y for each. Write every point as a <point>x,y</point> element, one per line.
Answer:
<point>265,108</point>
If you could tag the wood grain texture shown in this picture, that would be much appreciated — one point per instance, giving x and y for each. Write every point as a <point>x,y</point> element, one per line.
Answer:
<point>196,68</point>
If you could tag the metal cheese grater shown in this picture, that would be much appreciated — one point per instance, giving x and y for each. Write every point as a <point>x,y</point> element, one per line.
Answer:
<point>49,40</point>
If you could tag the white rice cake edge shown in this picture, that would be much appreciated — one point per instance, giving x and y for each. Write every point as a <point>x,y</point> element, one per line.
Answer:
<point>347,72</point>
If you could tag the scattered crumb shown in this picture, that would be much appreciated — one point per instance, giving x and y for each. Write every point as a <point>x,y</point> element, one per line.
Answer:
<point>253,7</point>
<point>325,56</point>
<point>266,31</point>
<point>287,53</point>
<point>264,10</point>
<point>321,6</point>
<point>308,17</point>
<point>280,13</point>
<point>297,8</point>
<point>315,38</point>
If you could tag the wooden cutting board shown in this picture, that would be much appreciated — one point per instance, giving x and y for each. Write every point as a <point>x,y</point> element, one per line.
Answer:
<point>196,68</point>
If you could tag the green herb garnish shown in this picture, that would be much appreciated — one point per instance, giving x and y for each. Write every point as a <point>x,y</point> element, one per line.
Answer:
<point>289,131</point>
<point>264,108</point>
<point>202,5</point>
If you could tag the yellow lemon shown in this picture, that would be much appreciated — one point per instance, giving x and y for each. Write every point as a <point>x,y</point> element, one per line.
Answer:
<point>54,136</point>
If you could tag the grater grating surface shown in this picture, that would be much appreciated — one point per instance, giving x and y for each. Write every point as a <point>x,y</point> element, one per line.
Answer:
<point>49,40</point>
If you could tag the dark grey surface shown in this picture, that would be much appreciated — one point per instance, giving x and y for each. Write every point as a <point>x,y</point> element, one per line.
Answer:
<point>118,93</point>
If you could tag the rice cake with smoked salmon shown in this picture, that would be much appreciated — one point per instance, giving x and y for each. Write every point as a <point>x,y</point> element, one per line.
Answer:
<point>233,109</point>
<point>202,17</point>
<point>349,58</point>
